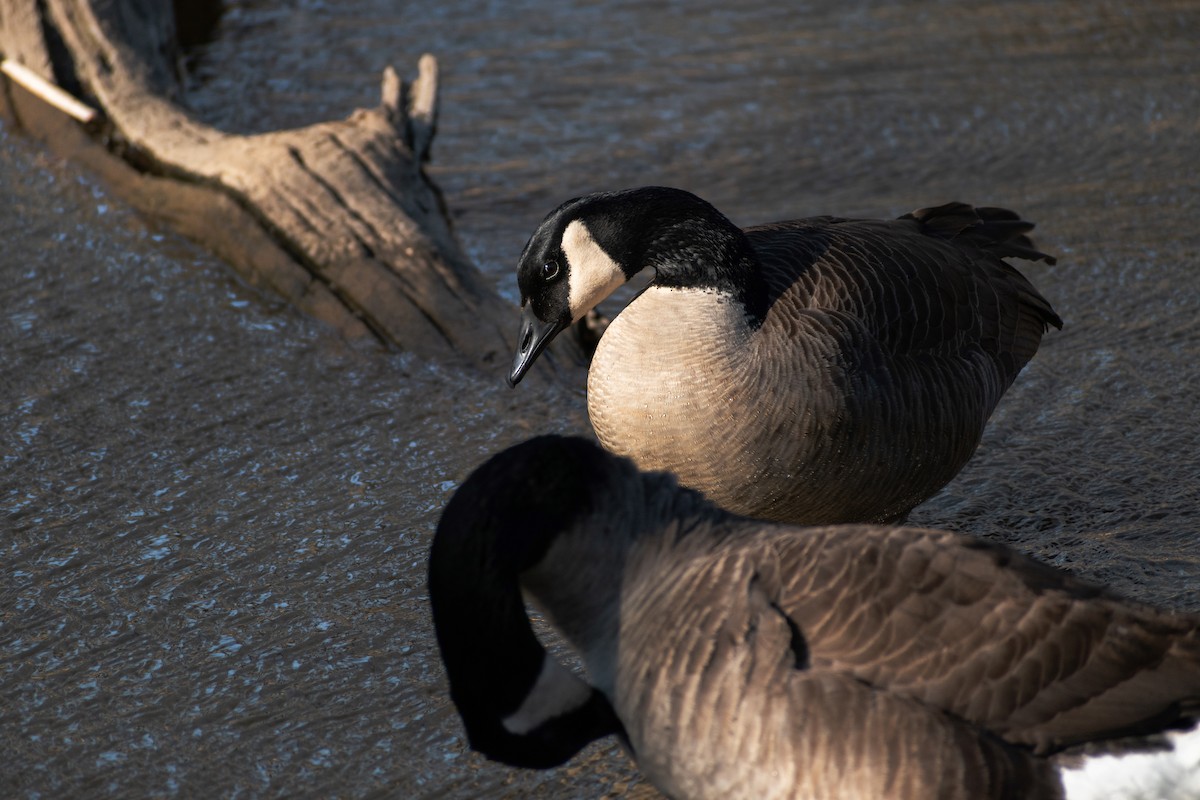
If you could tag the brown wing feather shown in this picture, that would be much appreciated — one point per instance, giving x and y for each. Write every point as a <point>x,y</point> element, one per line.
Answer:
<point>930,281</point>
<point>721,695</point>
<point>989,636</point>
<point>917,335</point>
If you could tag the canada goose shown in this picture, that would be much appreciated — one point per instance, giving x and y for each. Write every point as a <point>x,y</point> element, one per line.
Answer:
<point>814,371</point>
<point>741,658</point>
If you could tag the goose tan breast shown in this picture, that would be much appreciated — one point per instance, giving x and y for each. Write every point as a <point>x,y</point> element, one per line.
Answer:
<point>680,383</point>
<point>803,420</point>
<point>656,381</point>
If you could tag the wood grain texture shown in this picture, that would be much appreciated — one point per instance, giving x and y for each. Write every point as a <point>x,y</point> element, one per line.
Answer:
<point>338,217</point>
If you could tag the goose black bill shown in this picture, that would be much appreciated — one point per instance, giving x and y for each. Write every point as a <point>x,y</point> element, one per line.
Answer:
<point>535,335</point>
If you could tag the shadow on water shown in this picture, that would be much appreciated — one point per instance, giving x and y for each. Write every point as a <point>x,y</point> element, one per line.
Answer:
<point>214,515</point>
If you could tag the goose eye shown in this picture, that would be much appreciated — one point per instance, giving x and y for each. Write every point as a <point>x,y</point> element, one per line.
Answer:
<point>549,270</point>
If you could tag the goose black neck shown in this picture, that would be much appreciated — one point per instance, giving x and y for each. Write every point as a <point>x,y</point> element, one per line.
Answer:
<point>493,659</point>
<point>498,524</point>
<point>491,654</point>
<point>688,243</point>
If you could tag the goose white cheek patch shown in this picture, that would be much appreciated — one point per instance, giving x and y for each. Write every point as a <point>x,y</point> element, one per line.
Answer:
<point>557,691</point>
<point>592,274</point>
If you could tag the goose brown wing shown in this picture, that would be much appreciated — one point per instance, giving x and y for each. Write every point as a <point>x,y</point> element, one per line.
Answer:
<point>987,635</point>
<point>933,281</point>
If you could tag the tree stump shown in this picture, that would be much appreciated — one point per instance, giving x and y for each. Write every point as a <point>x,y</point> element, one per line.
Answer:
<point>339,217</point>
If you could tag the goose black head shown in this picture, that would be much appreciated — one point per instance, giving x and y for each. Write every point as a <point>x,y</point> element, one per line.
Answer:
<point>588,247</point>
<point>518,706</point>
<point>564,272</point>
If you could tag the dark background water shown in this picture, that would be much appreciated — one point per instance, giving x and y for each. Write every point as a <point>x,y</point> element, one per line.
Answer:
<point>214,514</point>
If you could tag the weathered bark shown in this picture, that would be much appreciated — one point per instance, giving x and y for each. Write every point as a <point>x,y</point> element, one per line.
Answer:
<point>339,217</point>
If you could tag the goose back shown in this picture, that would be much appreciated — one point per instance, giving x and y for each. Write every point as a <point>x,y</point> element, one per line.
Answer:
<point>889,662</point>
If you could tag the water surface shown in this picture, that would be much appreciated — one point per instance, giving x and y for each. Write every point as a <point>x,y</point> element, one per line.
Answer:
<point>214,515</point>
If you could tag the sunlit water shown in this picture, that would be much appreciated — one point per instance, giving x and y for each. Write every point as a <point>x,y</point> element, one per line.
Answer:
<point>214,515</point>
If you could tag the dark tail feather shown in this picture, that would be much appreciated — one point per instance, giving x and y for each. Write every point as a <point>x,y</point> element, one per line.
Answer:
<point>997,230</point>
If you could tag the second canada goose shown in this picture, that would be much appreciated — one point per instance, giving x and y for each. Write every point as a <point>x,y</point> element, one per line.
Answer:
<point>813,371</point>
<point>747,659</point>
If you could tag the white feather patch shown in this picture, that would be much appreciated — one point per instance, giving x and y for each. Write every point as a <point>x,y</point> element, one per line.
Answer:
<point>556,692</point>
<point>1164,775</point>
<point>592,274</point>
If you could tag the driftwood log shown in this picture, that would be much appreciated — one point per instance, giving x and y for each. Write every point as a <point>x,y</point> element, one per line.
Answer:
<point>339,218</point>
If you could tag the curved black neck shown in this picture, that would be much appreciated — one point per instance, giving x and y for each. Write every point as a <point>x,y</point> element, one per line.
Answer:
<point>688,243</point>
<point>499,523</point>
<point>493,658</point>
<point>496,535</point>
